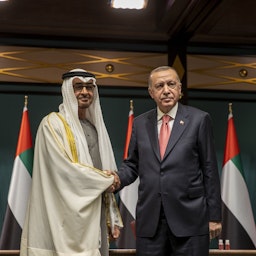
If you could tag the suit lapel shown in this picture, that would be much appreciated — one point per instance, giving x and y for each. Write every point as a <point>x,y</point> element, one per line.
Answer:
<point>180,124</point>
<point>152,132</point>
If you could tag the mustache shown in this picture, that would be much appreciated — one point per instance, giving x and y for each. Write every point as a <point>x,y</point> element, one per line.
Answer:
<point>84,97</point>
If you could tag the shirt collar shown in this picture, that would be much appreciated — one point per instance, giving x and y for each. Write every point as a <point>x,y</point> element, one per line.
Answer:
<point>172,113</point>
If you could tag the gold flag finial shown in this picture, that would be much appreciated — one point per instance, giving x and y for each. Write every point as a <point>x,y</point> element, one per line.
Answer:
<point>230,108</point>
<point>131,104</point>
<point>26,101</point>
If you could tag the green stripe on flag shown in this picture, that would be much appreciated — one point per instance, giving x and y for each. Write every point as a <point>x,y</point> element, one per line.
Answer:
<point>238,163</point>
<point>27,159</point>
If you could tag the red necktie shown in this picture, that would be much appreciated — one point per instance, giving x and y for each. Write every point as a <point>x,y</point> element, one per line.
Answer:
<point>164,134</point>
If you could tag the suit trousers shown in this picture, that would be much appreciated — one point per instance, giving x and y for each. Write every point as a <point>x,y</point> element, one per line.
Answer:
<point>164,243</point>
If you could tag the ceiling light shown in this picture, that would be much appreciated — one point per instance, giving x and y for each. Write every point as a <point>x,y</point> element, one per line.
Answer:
<point>127,4</point>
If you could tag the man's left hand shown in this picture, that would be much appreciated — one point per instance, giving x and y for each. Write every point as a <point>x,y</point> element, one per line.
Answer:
<point>214,229</point>
<point>115,233</point>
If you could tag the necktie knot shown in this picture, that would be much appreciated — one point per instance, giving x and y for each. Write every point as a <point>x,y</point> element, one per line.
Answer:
<point>166,119</point>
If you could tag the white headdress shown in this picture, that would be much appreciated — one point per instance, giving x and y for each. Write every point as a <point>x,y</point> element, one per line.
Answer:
<point>69,109</point>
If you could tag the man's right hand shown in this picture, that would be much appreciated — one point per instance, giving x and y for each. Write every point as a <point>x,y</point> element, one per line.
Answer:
<point>116,183</point>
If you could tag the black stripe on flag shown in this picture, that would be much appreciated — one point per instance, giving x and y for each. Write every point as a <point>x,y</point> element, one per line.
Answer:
<point>126,239</point>
<point>11,232</point>
<point>234,231</point>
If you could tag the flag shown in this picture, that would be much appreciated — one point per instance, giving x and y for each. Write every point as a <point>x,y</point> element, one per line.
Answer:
<point>129,130</point>
<point>128,198</point>
<point>19,187</point>
<point>238,225</point>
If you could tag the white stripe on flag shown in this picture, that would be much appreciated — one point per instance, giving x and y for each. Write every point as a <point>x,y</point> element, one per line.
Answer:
<point>129,196</point>
<point>234,181</point>
<point>19,191</point>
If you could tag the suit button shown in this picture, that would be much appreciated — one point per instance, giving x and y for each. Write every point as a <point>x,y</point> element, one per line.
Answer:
<point>162,173</point>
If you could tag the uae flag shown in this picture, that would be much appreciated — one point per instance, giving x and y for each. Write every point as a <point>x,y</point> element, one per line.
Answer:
<point>128,199</point>
<point>19,188</point>
<point>238,224</point>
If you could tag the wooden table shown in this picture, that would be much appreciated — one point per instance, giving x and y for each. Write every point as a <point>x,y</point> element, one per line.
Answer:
<point>232,252</point>
<point>132,252</point>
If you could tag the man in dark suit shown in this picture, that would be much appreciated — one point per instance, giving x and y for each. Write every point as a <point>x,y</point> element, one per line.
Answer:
<point>179,204</point>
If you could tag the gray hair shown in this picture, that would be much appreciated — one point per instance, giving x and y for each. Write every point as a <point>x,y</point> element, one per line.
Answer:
<point>158,69</point>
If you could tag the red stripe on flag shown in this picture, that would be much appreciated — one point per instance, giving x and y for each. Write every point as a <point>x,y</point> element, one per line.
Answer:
<point>25,138</point>
<point>231,147</point>
<point>128,133</point>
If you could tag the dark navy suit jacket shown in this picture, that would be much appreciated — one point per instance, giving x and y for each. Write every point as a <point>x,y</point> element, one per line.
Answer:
<point>185,182</point>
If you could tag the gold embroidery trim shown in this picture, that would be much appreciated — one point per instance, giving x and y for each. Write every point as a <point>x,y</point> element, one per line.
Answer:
<point>71,139</point>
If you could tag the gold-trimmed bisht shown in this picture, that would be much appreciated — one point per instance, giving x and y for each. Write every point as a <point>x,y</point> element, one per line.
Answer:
<point>72,144</point>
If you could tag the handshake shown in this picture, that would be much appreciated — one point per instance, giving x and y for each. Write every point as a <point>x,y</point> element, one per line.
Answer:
<point>116,183</point>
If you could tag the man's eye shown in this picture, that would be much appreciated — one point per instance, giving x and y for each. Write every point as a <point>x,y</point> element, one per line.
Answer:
<point>172,84</point>
<point>159,86</point>
<point>79,87</point>
<point>89,87</point>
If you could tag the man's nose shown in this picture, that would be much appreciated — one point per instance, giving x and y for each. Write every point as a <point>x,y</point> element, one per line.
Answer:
<point>84,90</point>
<point>166,88</point>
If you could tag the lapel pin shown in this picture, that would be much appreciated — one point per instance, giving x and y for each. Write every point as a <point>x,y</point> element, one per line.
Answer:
<point>181,122</point>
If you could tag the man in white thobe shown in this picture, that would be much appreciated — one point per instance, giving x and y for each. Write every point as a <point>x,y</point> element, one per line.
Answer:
<point>72,210</point>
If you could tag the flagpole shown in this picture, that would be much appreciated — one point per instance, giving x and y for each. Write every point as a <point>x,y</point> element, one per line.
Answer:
<point>26,101</point>
<point>131,105</point>
<point>230,108</point>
